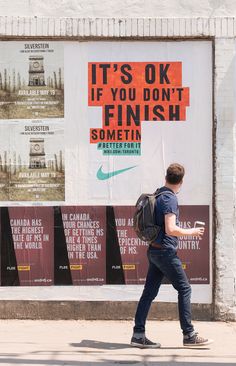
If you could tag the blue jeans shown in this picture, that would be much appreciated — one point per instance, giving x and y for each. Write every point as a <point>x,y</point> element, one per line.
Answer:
<point>164,262</point>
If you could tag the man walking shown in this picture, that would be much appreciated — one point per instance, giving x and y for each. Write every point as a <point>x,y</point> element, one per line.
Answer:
<point>164,262</point>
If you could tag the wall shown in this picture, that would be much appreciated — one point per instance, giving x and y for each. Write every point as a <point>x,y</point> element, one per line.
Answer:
<point>221,30</point>
<point>225,251</point>
<point>118,9</point>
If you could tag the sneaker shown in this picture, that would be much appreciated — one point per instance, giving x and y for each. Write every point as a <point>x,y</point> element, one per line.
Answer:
<point>143,343</point>
<point>195,340</point>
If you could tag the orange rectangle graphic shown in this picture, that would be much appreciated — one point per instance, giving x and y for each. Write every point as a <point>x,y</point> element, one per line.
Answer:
<point>129,267</point>
<point>23,268</point>
<point>76,267</point>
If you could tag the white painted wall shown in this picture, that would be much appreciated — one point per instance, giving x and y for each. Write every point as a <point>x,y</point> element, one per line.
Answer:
<point>225,245</point>
<point>118,9</point>
<point>223,31</point>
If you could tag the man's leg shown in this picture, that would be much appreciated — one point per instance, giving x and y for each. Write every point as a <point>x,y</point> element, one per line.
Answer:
<point>171,266</point>
<point>152,285</point>
<point>179,280</point>
<point>151,288</point>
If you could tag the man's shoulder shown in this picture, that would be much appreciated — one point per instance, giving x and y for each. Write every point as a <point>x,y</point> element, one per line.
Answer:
<point>166,197</point>
<point>164,191</point>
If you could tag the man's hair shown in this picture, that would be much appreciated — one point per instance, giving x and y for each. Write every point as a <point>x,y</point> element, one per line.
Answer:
<point>175,173</point>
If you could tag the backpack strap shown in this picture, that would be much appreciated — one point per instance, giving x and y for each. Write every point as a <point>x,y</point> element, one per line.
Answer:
<point>157,193</point>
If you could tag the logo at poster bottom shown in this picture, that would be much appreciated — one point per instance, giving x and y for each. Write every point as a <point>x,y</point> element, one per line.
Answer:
<point>106,175</point>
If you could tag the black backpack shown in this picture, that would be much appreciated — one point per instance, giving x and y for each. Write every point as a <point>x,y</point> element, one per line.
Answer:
<point>144,216</point>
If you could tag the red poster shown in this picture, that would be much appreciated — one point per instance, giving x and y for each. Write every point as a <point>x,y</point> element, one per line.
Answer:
<point>33,237</point>
<point>85,233</point>
<point>132,92</point>
<point>193,250</point>
<point>133,250</point>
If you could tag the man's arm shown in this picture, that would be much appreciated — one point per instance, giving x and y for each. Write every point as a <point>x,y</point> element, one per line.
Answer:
<point>172,229</point>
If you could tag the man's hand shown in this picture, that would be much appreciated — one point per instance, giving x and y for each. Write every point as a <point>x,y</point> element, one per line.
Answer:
<point>199,231</point>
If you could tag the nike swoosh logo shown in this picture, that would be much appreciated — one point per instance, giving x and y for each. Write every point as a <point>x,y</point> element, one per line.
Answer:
<point>103,176</point>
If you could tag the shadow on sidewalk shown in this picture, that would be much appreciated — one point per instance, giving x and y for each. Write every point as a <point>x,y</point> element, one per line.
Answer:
<point>89,343</point>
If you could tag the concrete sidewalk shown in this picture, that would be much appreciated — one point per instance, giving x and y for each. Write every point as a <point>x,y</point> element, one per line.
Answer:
<point>77,343</point>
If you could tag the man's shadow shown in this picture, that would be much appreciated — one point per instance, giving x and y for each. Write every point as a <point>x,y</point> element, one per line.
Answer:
<point>89,343</point>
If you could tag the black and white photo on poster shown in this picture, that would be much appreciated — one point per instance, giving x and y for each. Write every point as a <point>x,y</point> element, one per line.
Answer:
<point>31,80</point>
<point>37,169</point>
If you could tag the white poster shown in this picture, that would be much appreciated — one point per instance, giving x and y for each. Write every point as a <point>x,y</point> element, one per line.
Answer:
<point>133,108</point>
<point>32,160</point>
<point>31,80</point>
